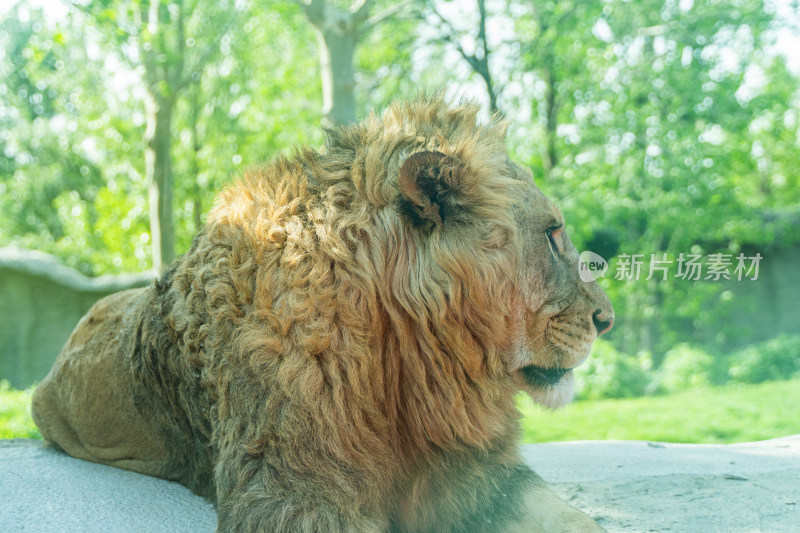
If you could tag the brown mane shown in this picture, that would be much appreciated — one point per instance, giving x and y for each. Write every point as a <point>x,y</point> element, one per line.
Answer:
<point>377,328</point>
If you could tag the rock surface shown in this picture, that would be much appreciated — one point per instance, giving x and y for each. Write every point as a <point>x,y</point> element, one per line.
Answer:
<point>687,488</point>
<point>42,489</point>
<point>626,486</point>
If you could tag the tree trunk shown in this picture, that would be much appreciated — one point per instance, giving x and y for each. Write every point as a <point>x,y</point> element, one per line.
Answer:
<point>338,31</point>
<point>551,109</point>
<point>194,166</point>
<point>163,79</point>
<point>653,340</point>
<point>158,170</point>
<point>484,58</point>
<point>337,44</point>
<point>479,59</point>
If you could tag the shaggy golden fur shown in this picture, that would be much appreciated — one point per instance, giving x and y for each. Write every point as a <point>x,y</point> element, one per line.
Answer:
<point>340,348</point>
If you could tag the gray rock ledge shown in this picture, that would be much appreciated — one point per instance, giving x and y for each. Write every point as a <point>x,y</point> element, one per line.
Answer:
<point>625,485</point>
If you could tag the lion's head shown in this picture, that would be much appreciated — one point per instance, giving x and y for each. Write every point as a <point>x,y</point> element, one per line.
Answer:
<point>554,315</point>
<point>562,314</point>
<point>459,184</point>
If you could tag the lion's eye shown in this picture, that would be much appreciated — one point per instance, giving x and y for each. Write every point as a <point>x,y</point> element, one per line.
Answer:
<point>554,236</point>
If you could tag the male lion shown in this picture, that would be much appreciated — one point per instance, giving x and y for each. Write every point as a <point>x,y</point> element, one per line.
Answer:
<point>340,348</point>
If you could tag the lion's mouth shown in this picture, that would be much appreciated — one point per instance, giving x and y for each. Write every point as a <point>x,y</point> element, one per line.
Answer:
<point>539,376</point>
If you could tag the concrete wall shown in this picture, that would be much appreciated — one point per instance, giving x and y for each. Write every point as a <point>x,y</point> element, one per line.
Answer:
<point>41,301</point>
<point>770,305</point>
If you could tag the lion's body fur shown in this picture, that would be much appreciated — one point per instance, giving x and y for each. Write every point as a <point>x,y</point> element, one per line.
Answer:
<point>316,362</point>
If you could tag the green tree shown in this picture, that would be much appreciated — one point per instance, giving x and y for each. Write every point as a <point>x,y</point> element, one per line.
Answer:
<point>643,129</point>
<point>338,32</point>
<point>479,58</point>
<point>258,100</point>
<point>61,147</point>
<point>172,42</point>
<point>75,179</point>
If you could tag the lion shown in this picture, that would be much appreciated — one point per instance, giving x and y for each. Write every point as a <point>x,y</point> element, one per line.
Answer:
<point>341,347</point>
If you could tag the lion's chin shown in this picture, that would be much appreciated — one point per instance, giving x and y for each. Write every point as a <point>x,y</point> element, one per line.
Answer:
<point>548,387</point>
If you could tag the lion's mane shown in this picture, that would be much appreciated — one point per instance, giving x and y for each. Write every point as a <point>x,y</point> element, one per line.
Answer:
<point>321,324</point>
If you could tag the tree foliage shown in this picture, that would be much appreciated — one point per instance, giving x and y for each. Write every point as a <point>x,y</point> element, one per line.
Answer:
<point>659,127</point>
<point>645,124</point>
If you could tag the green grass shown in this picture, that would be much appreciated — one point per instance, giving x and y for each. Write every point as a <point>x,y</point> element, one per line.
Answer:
<point>15,413</point>
<point>733,413</point>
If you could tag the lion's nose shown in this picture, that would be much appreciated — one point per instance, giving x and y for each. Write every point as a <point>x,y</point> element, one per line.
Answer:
<point>603,321</point>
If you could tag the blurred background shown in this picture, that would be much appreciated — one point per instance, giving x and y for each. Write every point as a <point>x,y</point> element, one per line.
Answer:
<point>667,132</point>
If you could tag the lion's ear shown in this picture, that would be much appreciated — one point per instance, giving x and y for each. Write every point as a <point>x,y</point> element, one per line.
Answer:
<point>427,180</point>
